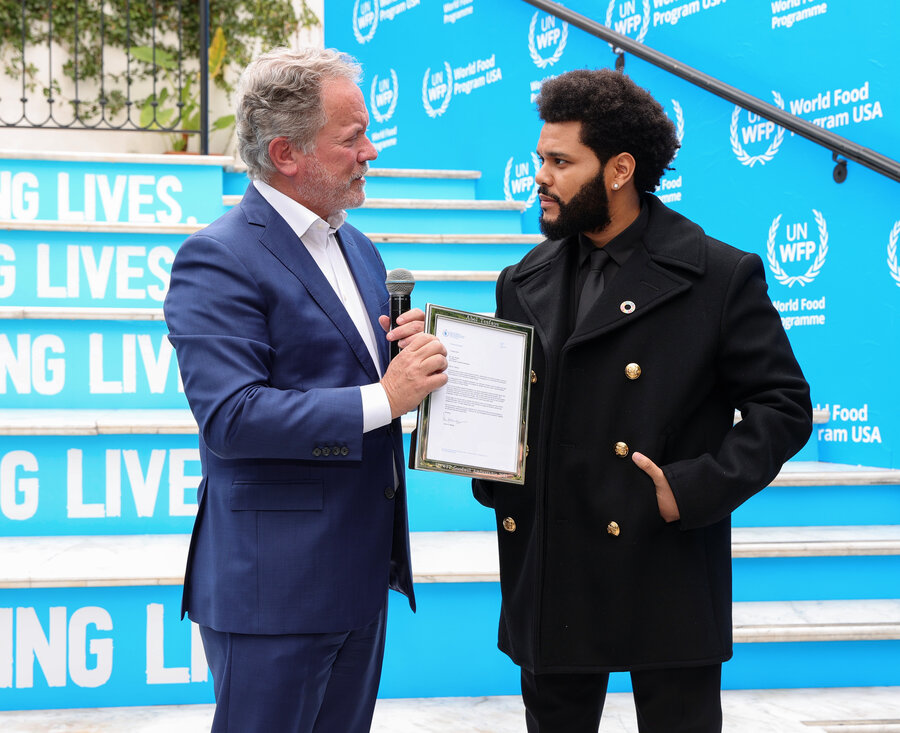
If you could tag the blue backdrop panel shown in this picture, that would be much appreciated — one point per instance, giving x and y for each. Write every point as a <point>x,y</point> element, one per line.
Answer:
<point>94,647</point>
<point>815,506</point>
<point>99,484</point>
<point>90,647</point>
<point>814,578</point>
<point>88,365</point>
<point>783,665</point>
<point>90,191</point>
<point>462,96</point>
<point>79,269</point>
<point>430,653</point>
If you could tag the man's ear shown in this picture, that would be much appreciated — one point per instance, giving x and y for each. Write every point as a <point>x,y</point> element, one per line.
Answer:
<point>620,170</point>
<point>287,159</point>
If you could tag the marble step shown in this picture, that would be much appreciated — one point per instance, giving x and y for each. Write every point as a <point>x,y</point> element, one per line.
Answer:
<point>24,421</point>
<point>438,557</point>
<point>59,156</point>
<point>814,710</point>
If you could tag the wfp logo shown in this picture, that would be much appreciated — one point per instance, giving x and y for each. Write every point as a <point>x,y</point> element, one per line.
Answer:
<point>365,20</point>
<point>798,248</point>
<point>548,37</point>
<point>437,87</point>
<point>757,131</point>
<point>384,94</point>
<point>521,180</point>
<point>679,123</point>
<point>892,253</point>
<point>628,20</point>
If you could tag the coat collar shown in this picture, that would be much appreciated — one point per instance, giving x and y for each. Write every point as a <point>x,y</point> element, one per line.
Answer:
<point>671,244</point>
<point>277,237</point>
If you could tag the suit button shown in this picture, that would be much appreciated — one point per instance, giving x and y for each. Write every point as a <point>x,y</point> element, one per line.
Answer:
<point>633,371</point>
<point>621,449</point>
<point>335,450</point>
<point>509,524</point>
<point>389,492</point>
<point>345,451</point>
<point>613,529</point>
<point>317,451</point>
<point>326,451</point>
<point>533,377</point>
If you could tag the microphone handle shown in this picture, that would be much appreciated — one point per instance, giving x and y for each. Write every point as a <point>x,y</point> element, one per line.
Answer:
<point>399,304</point>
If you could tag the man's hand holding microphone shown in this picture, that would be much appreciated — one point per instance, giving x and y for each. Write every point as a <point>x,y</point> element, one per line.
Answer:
<point>418,359</point>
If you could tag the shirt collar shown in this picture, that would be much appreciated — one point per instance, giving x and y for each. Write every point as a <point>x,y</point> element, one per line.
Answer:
<point>298,217</point>
<point>620,247</point>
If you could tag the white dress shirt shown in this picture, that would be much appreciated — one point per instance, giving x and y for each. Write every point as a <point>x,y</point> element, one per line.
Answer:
<point>318,237</point>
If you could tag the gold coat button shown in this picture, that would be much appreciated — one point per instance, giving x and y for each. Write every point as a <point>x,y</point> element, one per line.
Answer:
<point>533,377</point>
<point>613,529</point>
<point>621,449</point>
<point>632,371</point>
<point>509,524</point>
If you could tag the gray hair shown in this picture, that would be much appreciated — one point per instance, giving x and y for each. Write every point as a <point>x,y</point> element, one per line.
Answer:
<point>280,95</point>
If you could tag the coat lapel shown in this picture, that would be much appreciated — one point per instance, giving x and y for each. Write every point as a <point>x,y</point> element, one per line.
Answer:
<point>543,291</point>
<point>282,242</point>
<point>639,288</point>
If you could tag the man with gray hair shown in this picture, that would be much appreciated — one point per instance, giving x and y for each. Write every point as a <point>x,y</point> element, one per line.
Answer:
<point>276,313</point>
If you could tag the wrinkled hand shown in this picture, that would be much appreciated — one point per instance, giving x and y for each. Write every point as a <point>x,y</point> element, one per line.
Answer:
<point>417,370</point>
<point>668,508</point>
<point>408,325</point>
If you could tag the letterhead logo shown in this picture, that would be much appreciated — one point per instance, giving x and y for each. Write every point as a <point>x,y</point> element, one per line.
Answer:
<point>383,96</point>
<point>521,180</point>
<point>365,20</point>
<point>892,253</point>
<point>628,20</point>
<point>797,248</point>
<point>437,87</point>
<point>755,132</point>
<point>550,37</point>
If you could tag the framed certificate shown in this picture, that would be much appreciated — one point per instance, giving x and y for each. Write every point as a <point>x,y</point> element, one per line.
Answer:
<point>475,425</point>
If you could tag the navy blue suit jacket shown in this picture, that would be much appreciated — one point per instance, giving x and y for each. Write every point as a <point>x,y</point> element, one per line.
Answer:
<point>299,528</point>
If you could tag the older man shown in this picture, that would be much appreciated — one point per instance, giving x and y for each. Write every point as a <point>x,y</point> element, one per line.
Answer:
<point>615,555</point>
<point>276,313</point>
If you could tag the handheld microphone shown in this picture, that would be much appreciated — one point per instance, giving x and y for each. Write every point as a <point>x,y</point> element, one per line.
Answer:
<point>400,284</point>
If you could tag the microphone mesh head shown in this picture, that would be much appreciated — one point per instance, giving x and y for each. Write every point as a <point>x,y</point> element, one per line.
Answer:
<point>400,282</point>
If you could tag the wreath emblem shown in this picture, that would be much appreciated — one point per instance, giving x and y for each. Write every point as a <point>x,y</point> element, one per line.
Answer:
<point>360,38</point>
<point>679,123</point>
<point>816,266</point>
<point>432,112</point>
<point>892,253</point>
<point>507,192</point>
<point>379,117</point>
<point>641,34</point>
<point>539,60</point>
<point>738,149</point>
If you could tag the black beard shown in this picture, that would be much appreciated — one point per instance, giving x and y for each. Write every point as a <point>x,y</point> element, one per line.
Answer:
<point>586,211</point>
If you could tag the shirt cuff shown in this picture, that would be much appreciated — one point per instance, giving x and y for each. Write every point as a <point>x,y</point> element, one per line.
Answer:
<point>376,408</point>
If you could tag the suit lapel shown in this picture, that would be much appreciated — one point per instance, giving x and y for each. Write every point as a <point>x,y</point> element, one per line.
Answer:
<point>282,242</point>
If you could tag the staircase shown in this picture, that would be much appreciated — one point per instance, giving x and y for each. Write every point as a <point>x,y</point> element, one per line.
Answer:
<point>99,468</point>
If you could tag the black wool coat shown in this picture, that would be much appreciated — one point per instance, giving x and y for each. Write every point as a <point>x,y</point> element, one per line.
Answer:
<point>593,579</point>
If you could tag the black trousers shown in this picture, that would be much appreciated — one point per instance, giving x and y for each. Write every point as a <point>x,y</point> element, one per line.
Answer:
<point>680,700</point>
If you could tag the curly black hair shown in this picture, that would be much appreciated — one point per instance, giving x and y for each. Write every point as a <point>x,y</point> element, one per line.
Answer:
<point>617,116</point>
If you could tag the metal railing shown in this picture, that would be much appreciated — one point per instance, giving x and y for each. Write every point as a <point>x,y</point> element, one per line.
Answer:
<point>107,65</point>
<point>839,146</point>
